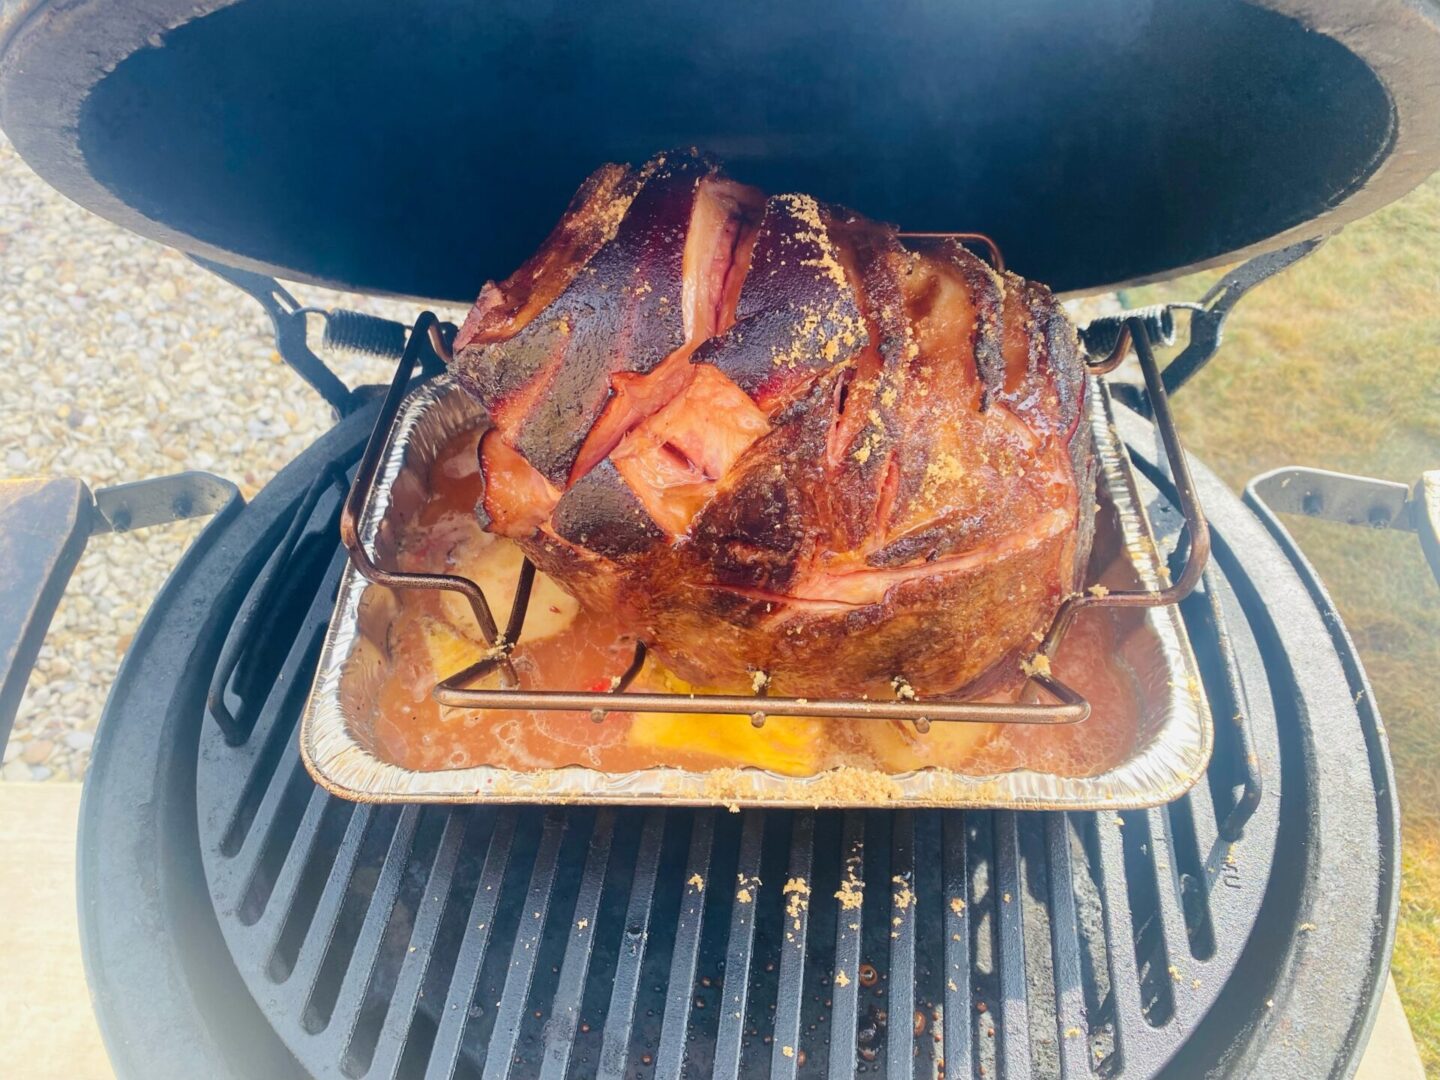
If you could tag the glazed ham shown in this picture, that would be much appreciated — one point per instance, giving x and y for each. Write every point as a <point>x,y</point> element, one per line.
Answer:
<point>780,444</point>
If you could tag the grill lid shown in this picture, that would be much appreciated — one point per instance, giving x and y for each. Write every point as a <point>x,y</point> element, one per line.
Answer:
<point>1101,143</point>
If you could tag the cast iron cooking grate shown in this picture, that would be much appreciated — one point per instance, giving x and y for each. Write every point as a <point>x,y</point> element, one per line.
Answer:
<point>519,941</point>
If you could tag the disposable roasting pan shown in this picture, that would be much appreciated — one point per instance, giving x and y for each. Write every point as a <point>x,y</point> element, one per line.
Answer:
<point>1170,752</point>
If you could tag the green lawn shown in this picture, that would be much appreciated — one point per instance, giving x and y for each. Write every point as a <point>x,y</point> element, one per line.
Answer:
<point>1337,364</point>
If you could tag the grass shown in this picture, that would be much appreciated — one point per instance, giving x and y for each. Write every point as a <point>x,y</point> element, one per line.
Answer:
<point>1336,364</point>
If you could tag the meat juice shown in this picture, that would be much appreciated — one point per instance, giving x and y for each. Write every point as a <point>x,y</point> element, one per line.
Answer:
<point>433,635</point>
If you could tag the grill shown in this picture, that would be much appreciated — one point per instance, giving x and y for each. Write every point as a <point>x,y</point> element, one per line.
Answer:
<point>356,940</point>
<point>238,920</point>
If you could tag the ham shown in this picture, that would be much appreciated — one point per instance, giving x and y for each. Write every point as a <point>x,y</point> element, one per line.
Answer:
<point>768,436</point>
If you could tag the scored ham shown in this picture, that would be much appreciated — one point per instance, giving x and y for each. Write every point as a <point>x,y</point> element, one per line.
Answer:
<point>780,444</point>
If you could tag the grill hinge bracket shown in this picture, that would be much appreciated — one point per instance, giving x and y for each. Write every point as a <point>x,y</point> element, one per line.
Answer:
<point>1207,318</point>
<point>352,331</point>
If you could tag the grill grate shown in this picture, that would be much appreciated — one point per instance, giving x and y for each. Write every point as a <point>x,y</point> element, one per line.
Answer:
<point>508,942</point>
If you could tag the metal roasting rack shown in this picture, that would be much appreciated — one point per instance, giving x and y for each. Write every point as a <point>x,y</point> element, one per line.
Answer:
<point>429,344</point>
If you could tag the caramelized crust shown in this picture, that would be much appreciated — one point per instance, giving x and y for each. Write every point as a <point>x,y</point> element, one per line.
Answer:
<point>772,438</point>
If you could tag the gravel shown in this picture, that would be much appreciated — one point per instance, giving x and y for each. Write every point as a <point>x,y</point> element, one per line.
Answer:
<point>124,360</point>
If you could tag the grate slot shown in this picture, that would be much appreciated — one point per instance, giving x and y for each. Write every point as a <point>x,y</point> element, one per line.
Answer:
<point>351,963</point>
<point>849,928</point>
<point>558,923</point>
<point>1100,1000</point>
<point>1235,705</point>
<point>1041,997</point>
<point>257,758</point>
<point>273,613</point>
<point>288,693</point>
<point>1109,865</point>
<point>580,942</point>
<point>276,822</point>
<point>281,622</point>
<point>608,930</point>
<point>821,919</point>
<point>484,1006</point>
<point>791,995</point>
<point>984,942</point>
<point>929,933</point>
<point>500,1051</point>
<point>1071,1023</point>
<point>670,1058</point>
<point>301,881</point>
<point>1232,779</point>
<point>900,1045</point>
<point>735,988</point>
<point>1192,878</point>
<point>1162,864</point>
<point>1205,826</point>
<point>955,895</point>
<point>419,1039</point>
<point>399,1016</point>
<point>774,931</point>
<point>1013,1027</point>
<point>305,971</point>
<point>620,1017</point>
<point>450,1033</point>
<point>1157,998</point>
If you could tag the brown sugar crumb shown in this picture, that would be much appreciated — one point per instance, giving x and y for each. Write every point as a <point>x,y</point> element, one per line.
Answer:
<point>943,471</point>
<point>903,690</point>
<point>850,785</point>
<point>841,979</point>
<point>1098,590</point>
<point>696,882</point>
<point>850,894</point>
<point>846,785</point>
<point>759,680</point>
<point>1073,1033</point>
<point>788,1051</point>
<point>745,894</point>
<point>1306,927</point>
<point>904,898</point>
<point>798,892</point>
<point>957,905</point>
<point>582,924</point>
<point>1039,664</point>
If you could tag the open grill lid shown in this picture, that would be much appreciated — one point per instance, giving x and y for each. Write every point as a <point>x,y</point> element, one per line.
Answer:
<point>418,149</point>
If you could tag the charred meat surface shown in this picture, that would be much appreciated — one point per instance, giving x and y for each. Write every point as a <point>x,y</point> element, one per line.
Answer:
<point>770,437</point>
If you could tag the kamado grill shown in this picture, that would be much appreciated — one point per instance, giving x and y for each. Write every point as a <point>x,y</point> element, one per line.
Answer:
<point>239,920</point>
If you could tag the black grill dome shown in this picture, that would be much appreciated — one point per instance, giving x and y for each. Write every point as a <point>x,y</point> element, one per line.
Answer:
<point>418,149</point>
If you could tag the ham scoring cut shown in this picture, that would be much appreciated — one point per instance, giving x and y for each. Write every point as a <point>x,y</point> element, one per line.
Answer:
<point>769,436</point>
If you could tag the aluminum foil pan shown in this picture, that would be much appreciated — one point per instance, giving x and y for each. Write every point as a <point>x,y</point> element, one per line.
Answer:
<point>1170,752</point>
